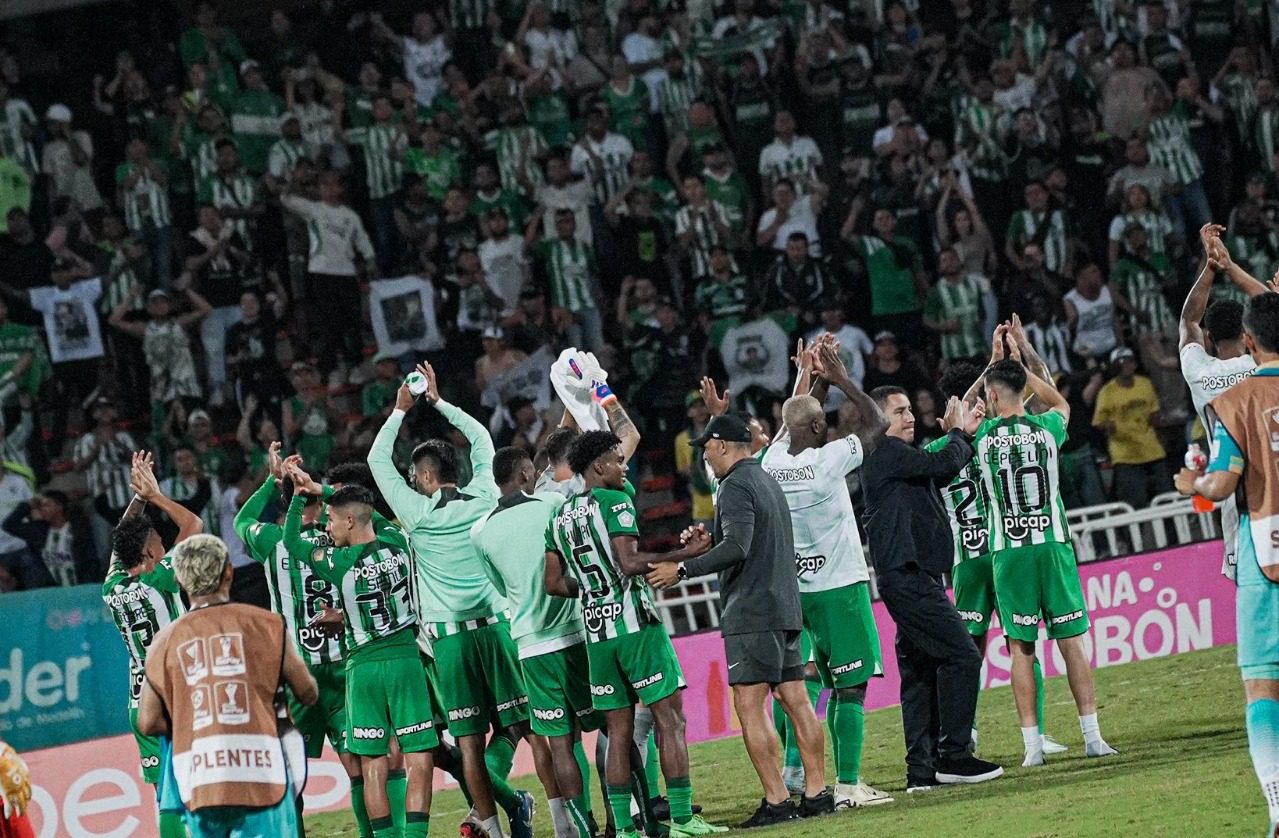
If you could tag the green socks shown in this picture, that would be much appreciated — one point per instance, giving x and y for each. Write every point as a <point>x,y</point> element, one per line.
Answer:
<point>1039,694</point>
<point>357,806</point>
<point>680,792</point>
<point>498,757</point>
<point>579,819</point>
<point>652,766</point>
<point>583,802</point>
<point>416,825</point>
<point>397,786</point>
<point>847,721</point>
<point>171,825</point>
<point>619,803</point>
<point>384,828</point>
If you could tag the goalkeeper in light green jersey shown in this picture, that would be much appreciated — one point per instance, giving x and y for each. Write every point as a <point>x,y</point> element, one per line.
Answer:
<point>476,670</point>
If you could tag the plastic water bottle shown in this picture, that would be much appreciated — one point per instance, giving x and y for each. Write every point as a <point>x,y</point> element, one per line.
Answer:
<point>1197,460</point>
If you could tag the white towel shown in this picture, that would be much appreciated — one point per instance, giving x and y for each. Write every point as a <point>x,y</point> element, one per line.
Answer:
<point>574,389</point>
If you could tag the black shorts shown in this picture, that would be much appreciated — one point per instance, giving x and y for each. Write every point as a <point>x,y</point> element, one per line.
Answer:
<point>764,657</point>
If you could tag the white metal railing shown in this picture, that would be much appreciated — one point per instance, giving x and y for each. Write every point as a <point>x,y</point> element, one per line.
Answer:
<point>1103,531</point>
<point>1144,530</point>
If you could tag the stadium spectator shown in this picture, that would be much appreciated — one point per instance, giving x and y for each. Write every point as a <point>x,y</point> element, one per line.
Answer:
<point>1127,411</point>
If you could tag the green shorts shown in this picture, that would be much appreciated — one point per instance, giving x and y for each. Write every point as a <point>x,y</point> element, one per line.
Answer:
<point>559,691</point>
<point>974,583</point>
<point>845,642</point>
<point>386,697</point>
<point>148,750</point>
<point>1039,580</point>
<point>327,717</point>
<point>634,668</point>
<point>478,678</point>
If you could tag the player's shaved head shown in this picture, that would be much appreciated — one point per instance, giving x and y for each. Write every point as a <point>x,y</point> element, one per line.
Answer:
<point>1007,375</point>
<point>1261,321</point>
<point>355,501</point>
<point>801,411</point>
<point>507,463</point>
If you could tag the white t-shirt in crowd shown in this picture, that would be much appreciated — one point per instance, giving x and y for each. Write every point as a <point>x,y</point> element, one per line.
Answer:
<point>505,269</point>
<point>70,319</point>
<point>800,219</point>
<point>14,489</point>
<point>424,66</point>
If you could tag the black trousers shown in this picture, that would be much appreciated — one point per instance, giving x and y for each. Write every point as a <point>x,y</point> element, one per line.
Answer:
<point>940,669</point>
<point>336,319</point>
<point>248,585</point>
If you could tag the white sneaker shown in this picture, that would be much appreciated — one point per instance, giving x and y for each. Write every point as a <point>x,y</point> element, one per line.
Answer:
<point>856,795</point>
<point>1052,746</point>
<point>793,777</point>
<point>1033,759</point>
<point>1099,749</point>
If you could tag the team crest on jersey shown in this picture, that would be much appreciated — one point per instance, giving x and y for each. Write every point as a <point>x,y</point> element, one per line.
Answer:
<point>626,519</point>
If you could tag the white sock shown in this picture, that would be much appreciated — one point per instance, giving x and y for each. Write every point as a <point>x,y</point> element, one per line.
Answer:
<point>1091,730</point>
<point>974,735</point>
<point>493,827</point>
<point>560,818</point>
<point>1030,739</point>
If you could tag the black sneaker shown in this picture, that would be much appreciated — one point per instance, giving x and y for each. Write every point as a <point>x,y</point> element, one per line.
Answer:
<point>967,769</point>
<point>817,805</point>
<point>770,813</point>
<point>662,808</point>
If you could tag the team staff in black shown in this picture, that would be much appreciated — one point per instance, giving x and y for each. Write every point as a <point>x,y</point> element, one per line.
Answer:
<point>911,548</point>
<point>760,615</point>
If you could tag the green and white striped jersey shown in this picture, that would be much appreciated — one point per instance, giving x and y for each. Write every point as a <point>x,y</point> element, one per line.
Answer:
<point>141,606</point>
<point>968,508</point>
<point>233,193</point>
<point>1170,145</point>
<point>517,147</point>
<point>1018,456</point>
<point>569,267</point>
<point>456,592</point>
<point>1265,135</point>
<point>613,604</point>
<point>297,593</point>
<point>962,302</point>
<point>384,145</point>
<point>1024,227</point>
<point>511,540</point>
<point>146,201</point>
<point>374,582</point>
<point>979,132</point>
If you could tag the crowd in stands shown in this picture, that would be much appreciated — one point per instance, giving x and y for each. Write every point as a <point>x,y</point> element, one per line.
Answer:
<point>194,235</point>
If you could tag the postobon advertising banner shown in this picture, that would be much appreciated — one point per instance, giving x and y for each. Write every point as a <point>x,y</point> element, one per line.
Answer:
<point>1141,607</point>
<point>64,672</point>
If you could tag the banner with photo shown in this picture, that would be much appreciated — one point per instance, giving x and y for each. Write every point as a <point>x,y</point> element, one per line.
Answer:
<point>403,315</point>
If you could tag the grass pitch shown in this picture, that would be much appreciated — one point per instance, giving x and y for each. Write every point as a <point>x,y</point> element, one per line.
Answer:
<point>1183,768</point>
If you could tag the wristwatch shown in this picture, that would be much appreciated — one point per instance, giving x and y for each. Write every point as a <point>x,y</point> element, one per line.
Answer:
<point>681,572</point>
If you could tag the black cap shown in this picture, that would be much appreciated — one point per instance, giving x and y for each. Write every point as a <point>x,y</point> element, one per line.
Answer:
<point>726,428</point>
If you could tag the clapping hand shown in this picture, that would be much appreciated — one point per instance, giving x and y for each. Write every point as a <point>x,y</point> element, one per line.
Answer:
<point>274,465</point>
<point>696,539</point>
<point>142,476</point>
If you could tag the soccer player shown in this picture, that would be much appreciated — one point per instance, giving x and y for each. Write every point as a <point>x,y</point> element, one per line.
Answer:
<point>1209,375</point>
<point>304,599</point>
<point>547,630</point>
<point>833,581</point>
<point>969,511</point>
<point>1032,559</point>
<point>143,595</point>
<point>477,671</point>
<point>1242,452</point>
<point>592,554</point>
<point>386,695</point>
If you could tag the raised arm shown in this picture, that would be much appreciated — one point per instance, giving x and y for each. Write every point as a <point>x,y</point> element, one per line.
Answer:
<point>476,434</point>
<point>1243,280</point>
<point>871,422</point>
<point>409,506</point>
<point>1192,310</point>
<point>146,486</point>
